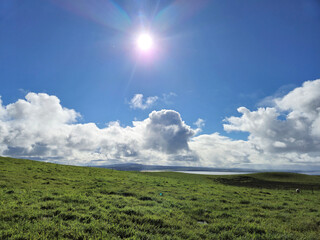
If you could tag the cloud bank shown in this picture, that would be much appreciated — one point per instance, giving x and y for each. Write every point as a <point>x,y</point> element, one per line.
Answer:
<point>39,127</point>
<point>287,133</point>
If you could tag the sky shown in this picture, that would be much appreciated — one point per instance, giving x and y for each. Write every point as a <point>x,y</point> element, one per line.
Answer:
<point>224,84</point>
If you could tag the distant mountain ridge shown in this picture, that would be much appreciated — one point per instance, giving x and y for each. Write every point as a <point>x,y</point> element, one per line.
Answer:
<point>142,167</point>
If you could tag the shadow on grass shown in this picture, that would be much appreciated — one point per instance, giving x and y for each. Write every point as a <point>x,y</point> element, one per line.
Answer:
<point>246,181</point>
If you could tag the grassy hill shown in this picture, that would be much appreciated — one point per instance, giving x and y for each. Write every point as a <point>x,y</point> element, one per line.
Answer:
<point>48,201</point>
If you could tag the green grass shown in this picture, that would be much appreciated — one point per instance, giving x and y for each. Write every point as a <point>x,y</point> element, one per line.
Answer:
<point>48,201</point>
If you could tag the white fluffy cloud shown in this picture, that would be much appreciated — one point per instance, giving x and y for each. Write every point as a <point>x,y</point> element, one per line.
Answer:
<point>166,132</point>
<point>291,125</point>
<point>220,151</point>
<point>285,134</point>
<point>138,102</point>
<point>39,127</point>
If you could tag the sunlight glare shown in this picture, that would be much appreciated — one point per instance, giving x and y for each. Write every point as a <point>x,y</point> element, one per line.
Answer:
<point>145,42</point>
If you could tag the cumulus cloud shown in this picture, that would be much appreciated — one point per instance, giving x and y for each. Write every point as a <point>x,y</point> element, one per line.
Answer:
<point>166,131</point>
<point>291,125</point>
<point>39,127</point>
<point>220,151</point>
<point>137,102</point>
<point>287,133</point>
<point>27,126</point>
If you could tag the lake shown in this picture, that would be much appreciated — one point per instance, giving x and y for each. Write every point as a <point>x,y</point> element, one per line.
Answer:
<point>222,173</point>
<point>200,172</point>
<point>213,173</point>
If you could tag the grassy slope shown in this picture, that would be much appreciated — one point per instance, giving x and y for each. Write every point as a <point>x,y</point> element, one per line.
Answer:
<point>47,201</point>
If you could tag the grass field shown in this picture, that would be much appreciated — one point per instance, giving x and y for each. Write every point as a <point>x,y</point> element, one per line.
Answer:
<point>48,201</point>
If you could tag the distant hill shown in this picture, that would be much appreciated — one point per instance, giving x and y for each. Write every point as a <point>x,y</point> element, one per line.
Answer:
<point>142,167</point>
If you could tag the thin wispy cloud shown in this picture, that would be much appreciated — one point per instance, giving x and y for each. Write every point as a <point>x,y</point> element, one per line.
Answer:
<point>138,102</point>
<point>167,98</point>
<point>200,123</point>
<point>281,92</point>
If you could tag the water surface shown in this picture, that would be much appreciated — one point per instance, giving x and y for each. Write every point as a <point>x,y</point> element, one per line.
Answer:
<point>213,173</point>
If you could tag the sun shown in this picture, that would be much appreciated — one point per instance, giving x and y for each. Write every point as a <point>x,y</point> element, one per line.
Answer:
<point>145,42</point>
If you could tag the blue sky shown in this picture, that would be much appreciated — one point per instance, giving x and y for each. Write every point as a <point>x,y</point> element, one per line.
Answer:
<point>215,56</point>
